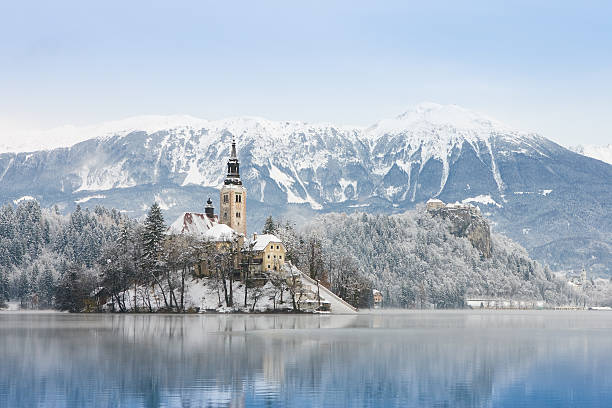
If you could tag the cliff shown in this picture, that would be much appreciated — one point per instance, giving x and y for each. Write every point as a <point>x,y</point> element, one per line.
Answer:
<point>467,221</point>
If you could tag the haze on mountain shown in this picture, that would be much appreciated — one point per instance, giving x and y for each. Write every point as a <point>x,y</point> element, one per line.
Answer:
<point>552,200</point>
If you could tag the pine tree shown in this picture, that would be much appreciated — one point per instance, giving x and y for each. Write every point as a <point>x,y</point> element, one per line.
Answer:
<point>152,249</point>
<point>23,287</point>
<point>46,287</point>
<point>153,235</point>
<point>269,226</point>
<point>4,287</point>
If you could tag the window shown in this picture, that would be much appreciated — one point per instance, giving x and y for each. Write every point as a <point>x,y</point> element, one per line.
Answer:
<point>226,198</point>
<point>225,216</point>
<point>237,215</point>
<point>238,198</point>
<point>274,256</point>
<point>268,266</point>
<point>280,257</point>
<point>268,256</point>
<point>278,247</point>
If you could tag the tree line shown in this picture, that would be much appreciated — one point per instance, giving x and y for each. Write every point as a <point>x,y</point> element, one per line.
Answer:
<point>78,261</point>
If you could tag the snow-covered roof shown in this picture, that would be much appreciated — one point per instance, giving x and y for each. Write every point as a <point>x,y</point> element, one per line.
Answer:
<point>196,224</point>
<point>434,200</point>
<point>220,233</point>
<point>262,241</point>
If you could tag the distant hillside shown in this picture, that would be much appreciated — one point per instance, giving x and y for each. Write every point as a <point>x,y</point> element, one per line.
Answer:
<point>415,261</point>
<point>555,202</point>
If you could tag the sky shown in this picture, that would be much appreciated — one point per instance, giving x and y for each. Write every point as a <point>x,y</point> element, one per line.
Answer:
<point>536,65</point>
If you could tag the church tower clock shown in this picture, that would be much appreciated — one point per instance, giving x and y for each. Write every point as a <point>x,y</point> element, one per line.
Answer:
<point>233,196</point>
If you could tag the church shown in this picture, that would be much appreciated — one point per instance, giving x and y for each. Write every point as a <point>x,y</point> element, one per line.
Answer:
<point>267,252</point>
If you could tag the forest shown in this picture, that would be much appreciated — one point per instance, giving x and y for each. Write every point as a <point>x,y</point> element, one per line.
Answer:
<point>51,260</point>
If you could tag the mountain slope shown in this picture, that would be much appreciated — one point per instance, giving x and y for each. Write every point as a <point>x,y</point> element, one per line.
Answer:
<point>603,153</point>
<point>555,202</point>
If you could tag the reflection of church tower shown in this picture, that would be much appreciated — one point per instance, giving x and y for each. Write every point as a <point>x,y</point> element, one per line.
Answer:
<point>233,196</point>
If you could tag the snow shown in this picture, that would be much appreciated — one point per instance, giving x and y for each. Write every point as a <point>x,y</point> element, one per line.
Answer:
<point>202,294</point>
<point>261,241</point>
<point>603,153</point>
<point>482,199</point>
<point>344,183</point>
<point>200,226</point>
<point>426,114</point>
<point>104,178</point>
<point>193,174</point>
<point>165,202</point>
<point>301,150</point>
<point>69,135</point>
<point>392,190</point>
<point>281,178</point>
<point>24,198</point>
<point>86,199</point>
<point>196,224</point>
<point>220,232</point>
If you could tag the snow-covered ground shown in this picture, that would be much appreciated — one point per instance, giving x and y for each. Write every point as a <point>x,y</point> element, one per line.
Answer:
<point>203,295</point>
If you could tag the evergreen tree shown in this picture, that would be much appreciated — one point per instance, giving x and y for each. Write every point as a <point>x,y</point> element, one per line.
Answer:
<point>153,236</point>
<point>4,287</point>
<point>74,288</point>
<point>269,226</point>
<point>46,288</point>
<point>23,287</point>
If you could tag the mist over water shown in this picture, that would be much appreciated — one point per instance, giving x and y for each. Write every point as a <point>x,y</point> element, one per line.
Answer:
<point>403,359</point>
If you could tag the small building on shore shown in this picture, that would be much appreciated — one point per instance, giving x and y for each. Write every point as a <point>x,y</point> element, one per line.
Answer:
<point>377,298</point>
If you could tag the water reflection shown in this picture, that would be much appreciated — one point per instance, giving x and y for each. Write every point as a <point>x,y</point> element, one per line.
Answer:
<point>458,359</point>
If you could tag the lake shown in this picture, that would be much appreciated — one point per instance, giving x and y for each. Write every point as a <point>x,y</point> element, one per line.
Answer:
<point>403,359</point>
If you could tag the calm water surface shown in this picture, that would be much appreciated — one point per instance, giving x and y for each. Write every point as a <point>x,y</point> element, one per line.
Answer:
<point>438,359</point>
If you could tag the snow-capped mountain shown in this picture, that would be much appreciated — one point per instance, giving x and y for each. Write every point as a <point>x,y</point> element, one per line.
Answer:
<point>552,200</point>
<point>603,153</point>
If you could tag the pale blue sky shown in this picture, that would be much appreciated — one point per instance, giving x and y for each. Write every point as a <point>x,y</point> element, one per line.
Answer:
<point>537,65</point>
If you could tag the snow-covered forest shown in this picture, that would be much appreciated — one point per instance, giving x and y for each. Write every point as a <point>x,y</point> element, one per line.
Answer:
<point>416,262</point>
<point>50,255</point>
<point>49,260</point>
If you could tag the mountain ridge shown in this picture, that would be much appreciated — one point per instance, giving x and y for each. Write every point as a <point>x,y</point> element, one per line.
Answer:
<point>532,189</point>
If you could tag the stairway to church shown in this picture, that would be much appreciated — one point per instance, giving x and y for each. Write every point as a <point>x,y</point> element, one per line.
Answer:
<point>338,305</point>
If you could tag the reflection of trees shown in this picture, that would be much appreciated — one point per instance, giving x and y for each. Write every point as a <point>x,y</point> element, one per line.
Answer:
<point>419,359</point>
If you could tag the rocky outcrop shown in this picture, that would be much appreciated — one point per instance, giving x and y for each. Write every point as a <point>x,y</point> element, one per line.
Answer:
<point>467,221</point>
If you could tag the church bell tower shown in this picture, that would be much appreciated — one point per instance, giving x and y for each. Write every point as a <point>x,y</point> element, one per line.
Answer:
<point>233,196</point>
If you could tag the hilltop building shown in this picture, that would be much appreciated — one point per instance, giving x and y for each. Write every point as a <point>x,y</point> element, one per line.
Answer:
<point>466,221</point>
<point>268,253</point>
<point>434,204</point>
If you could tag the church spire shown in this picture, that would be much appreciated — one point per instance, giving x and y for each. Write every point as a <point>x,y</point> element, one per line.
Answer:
<point>233,156</point>
<point>233,167</point>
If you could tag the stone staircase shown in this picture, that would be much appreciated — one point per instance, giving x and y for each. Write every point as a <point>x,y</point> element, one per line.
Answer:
<point>310,301</point>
